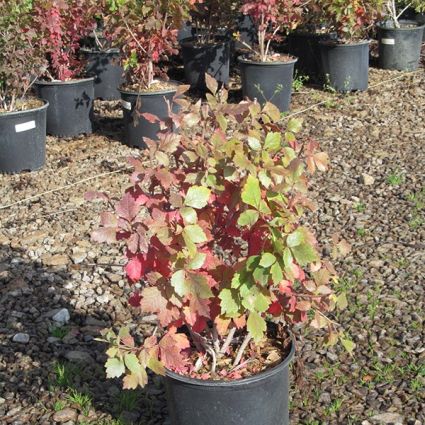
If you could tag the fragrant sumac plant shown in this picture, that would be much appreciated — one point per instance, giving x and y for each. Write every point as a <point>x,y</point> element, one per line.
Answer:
<point>61,25</point>
<point>396,9</point>
<point>21,61</point>
<point>213,235</point>
<point>271,17</point>
<point>146,32</point>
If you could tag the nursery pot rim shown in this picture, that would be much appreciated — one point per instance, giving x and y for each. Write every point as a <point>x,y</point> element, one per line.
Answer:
<point>26,111</point>
<point>417,25</point>
<point>99,51</point>
<point>241,59</point>
<point>152,93</point>
<point>69,82</point>
<point>218,40</point>
<point>237,382</point>
<point>333,43</point>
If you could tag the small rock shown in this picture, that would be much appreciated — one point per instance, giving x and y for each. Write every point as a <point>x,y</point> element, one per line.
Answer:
<point>65,415</point>
<point>62,316</point>
<point>91,321</point>
<point>53,340</point>
<point>78,255</point>
<point>376,264</point>
<point>2,400</point>
<point>78,356</point>
<point>55,260</point>
<point>367,180</point>
<point>387,418</point>
<point>22,338</point>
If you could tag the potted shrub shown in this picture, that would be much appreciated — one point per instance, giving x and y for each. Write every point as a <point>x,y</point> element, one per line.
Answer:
<point>214,240</point>
<point>103,59</point>
<point>208,49</point>
<point>146,34</point>
<point>266,76</point>
<point>22,117</point>
<point>400,41</point>
<point>61,24</point>
<point>345,61</point>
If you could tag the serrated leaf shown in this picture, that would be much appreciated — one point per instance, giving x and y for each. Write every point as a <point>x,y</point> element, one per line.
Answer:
<point>155,366</point>
<point>114,368</point>
<point>248,218</point>
<point>256,326</point>
<point>251,193</point>
<point>195,233</point>
<point>198,261</point>
<point>254,143</point>
<point>178,282</point>
<point>273,141</point>
<point>211,83</point>
<point>276,272</point>
<point>295,238</point>
<point>304,254</point>
<point>267,260</point>
<point>294,125</point>
<point>132,363</point>
<point>189,215</point>
<point>341,301</point>
<point>348,345</point>
<point>229,302</point>
<point>197,197</point>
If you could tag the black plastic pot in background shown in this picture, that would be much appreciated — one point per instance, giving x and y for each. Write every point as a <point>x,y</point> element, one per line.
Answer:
<point>247,31</point>
<point>268,81</point>
<point>212,58</point>
<point>71,106</point>
<point>104,66</point>
<point>400,48</point>
<point>305,47</point>
<point>23,140</point>
<point>420,19</point>
<point>137,127</point>
<point>345,67</point>
<point>258,400</point>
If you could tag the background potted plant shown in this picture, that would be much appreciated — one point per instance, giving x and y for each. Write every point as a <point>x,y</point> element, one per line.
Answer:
<point>208,49</point>
<point>266,76</point>
<point>214,240</point>
<point>147,35</point>
<point>102,57</point>
<point>400,41</point>
<point>61,24</point>
<point>345,61</point>
<point>22,117</point>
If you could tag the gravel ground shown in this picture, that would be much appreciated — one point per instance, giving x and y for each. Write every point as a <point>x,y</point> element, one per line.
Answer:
<point>58,289</point>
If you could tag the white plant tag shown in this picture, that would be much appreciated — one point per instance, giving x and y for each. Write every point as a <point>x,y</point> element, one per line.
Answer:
<point>25,126</point>
<point>126,105</point>
<point>389,41</point>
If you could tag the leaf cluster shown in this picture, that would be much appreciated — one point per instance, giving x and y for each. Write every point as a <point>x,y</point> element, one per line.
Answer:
<point>214,232</point>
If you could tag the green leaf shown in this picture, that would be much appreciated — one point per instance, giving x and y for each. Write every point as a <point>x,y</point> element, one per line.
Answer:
<point>248,218</point>
<point>197,197</point>
<point>273,141</point>
<point>276,271</point>
<point>189,215</point>
<point>287,257</point>
<point>348,345</point>
<point>178,282</point>
<point>341,301</point>
<point>236,282</point>
<point>254,143</point>
<point>265,180</point>
<point>294,125</point>
<point>197,284</point>
<point>198,261</point>
<point>132,363</point>
<point>251,193</point>
<point>255,300</point>
<point>295,238</point>
<point>114,368</point>
<point>304,254</point>
<point>156,366</point>
<point>261,275</point>
<point>256,326</point>
<point>229,302</point>
<point>195,233</point>
<point>267,260</point>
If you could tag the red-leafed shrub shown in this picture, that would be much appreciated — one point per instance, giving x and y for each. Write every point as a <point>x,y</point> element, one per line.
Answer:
<point>21,61</point>
<point>271,17</point>
<point>146,32</point>
<point>213,232</point>
<point>61,25</point>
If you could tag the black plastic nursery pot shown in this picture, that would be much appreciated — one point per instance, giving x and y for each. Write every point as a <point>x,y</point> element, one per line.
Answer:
<point>23,140</point>
<point>305,46</point>
<point>199,59</point>
<point>345,67</point>
<point>258,400</point>
<point>420,19</point>
<point>400,48</point>
<point>133,104</point>
<point>268,81</point>
<point>71,106</point>
<point>104,66</point>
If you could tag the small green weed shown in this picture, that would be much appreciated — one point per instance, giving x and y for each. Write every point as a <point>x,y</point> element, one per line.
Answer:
<point>299,81</point>
<point>395,178</point>
<point>83,401</point>
<point>65,373</point>
<point>59,332</point>
<point>334,407</point>
<point>59,405</point>
<point>360,207</point>
<point>127,400</point>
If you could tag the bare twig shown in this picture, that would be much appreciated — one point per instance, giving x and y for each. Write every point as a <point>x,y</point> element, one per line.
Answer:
<point>228,341</point>
<point>242,349</point>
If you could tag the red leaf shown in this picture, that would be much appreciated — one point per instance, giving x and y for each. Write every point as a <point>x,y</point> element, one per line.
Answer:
<point>171,346</point>
<point>135,268</point>
<point>127,208</point>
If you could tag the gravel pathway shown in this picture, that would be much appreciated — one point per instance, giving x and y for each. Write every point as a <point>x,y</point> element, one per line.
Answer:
<point>58,289</point>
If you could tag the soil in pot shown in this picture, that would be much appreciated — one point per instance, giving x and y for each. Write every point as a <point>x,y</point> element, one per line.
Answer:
<point>201,58</point>
<point>258,399</point>
<point>268,81</point>
<point>104,66</point>
<point>136,102</point>
<point>71,106</point>
<point>345,67</point>
<point>400,48</point>
<point>23,137</point>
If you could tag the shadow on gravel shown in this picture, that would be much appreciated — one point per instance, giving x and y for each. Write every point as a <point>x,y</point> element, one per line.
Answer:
<point>47,365</point>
